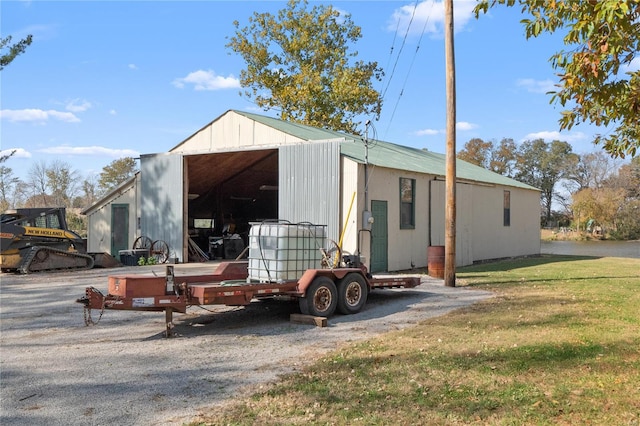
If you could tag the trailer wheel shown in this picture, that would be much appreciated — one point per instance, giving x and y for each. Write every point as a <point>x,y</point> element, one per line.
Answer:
<point>321,299</point>
<point>352,293</point>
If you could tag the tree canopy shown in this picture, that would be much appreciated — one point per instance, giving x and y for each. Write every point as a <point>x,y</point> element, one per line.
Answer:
<point>597,83</point>
<point>13,49</point>
<point>499,159</point>
<point>543,165</point>
<point>299,63</point>
<point>116,172</point>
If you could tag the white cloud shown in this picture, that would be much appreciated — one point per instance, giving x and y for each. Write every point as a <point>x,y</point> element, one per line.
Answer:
<point>132,66</point>
<point>113,112</point>
<point>37,115</point>
<point>552,135</point>
<point>428,132</point>
<point>78,105</point>
<point>537,86</point>
<point>90,150</point>
<point>460,125</point>
<point>463,125</point>
<point>428,16</point>
<point>19,153</point>
<point>207,80</point>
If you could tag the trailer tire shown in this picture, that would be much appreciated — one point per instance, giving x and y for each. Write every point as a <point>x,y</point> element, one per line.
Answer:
<point>321,298</point>
<point>352,293</point>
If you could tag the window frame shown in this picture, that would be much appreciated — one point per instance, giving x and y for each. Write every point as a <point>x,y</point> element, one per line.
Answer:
<point>506,208</point>
<point>411,223</point>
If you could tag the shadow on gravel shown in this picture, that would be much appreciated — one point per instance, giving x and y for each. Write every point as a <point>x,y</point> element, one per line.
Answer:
<point>270,317</point>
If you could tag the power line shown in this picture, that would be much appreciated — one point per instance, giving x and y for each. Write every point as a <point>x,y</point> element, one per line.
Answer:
<point>404,84</point>
<point>393,44</point>
<point>404,40</point>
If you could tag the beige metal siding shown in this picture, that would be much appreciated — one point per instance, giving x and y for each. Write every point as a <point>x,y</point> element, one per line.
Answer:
<point>465,213</point>
<point>234,131</point>
<point>521,238</point>
<point>405,246</point>
<point>480,231</point>
<point>99,219</point>
<point>309,185</point>
<point>351,219</point>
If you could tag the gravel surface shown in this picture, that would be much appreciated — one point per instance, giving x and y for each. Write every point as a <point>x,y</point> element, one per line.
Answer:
<point>57,371</point>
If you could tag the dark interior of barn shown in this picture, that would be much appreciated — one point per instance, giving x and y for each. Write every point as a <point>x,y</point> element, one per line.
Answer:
<point>227,192</point>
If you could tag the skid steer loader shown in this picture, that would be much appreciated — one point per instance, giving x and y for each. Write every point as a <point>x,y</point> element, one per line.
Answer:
<point>38,239</point>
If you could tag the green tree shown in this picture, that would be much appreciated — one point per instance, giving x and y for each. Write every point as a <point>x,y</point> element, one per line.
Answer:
<point>77,223</point>
<point>89,193</point>
<point>600,204</point>
<point>8,184</point>
<point>7,181</point>
<point>476,151</point>
<point>298,62</point>
<point>61,183</point>
<point>13,49</point>
<point>499,158</point>
<point>628,216</point>
<point>37,183</point>
<point>543,165</point>
<point>51,185</point>
<point>628,178</point>
<point>589,171</point>
<point>503,157</point>
<point>115,173</point>
<point>602,39</point>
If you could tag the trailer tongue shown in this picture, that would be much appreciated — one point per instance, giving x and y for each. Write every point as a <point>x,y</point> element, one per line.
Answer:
<point>319,290</point>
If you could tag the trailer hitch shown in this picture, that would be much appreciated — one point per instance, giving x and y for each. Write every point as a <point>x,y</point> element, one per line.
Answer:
<point>92,299</point>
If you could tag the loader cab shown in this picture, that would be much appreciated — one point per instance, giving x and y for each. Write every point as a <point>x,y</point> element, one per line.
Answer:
<point>51,218</point>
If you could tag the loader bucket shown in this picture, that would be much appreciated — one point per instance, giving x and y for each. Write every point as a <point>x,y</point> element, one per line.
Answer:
<point>104,260</point>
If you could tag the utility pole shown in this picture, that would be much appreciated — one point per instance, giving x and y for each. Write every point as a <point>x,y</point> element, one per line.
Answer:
<point>450,178</point>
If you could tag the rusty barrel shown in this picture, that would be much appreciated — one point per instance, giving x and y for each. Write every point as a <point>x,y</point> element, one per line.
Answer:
<point>435,261</point>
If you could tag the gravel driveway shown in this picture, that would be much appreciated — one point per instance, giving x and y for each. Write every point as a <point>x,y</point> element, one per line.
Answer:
<point>57,371</point>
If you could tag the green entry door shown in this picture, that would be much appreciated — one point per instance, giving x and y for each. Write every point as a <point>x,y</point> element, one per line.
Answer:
<point>119,228</point>
<point>379,237</point>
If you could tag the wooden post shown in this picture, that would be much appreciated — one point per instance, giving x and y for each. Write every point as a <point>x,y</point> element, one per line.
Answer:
<point>450,179</point>
<point>168,320</point>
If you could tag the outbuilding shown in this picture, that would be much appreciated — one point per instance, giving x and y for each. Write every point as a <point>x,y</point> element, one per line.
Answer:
<point>382,200</point>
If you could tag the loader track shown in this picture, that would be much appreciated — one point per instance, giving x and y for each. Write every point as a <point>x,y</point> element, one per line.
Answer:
<point>43,259</point>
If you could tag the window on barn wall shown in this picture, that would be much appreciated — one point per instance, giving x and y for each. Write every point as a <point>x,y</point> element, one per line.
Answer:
<point>507,208</point>
<point>407,203</point>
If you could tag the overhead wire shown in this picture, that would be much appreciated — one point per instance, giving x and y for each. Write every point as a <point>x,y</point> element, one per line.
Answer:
<point>415,54</point>
<point>393,45</point>
<point>404,40</point>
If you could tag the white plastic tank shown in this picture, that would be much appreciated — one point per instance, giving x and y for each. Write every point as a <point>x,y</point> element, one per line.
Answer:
<point>282,251</point>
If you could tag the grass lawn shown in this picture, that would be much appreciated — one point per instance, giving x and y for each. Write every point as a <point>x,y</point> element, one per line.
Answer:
<point>558,345</point>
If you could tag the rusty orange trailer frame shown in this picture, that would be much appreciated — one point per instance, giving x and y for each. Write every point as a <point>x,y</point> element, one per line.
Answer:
<point>226,286</point>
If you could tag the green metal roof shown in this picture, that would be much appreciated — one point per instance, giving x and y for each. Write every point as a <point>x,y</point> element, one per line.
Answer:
<point>301,131</point>
<point>390,155</point>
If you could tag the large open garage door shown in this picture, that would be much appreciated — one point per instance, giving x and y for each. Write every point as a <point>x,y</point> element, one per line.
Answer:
<point>162,216</point>
<point>227,191</point>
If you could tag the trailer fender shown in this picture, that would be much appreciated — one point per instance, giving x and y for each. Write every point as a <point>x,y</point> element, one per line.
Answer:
<point>310,274</point>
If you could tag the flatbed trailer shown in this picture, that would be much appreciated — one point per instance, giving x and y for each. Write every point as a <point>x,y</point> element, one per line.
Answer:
<point>320,292</point>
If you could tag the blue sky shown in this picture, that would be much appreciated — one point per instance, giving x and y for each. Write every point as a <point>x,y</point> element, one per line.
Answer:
<point>103,80</point>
